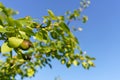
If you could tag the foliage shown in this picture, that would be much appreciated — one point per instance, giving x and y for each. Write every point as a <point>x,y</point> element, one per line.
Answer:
<point>28,44</point>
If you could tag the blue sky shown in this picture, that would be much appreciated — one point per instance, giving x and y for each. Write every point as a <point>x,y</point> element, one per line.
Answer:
<point>100,37</point>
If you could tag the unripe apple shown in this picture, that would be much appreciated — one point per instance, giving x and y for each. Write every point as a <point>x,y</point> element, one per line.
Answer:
<point>14,42</point>
<point>25,45</point>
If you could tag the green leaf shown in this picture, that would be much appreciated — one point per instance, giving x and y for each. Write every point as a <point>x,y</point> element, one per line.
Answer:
<point>89,58</point>
<point>72,16</point>
<point>84,19</point>
<point>91,63</point>
<point>67,12</point>
<point>85,65</point>
<point>51,14</point>
<point>54,35</point>
<point>1,9</point>
<point>59,44</point>
<point>45,34</point>
<point>46,49</point>
<point>45,19</point>
<point>1,5</point>
<point>76,40</point>
<point>10,21</point>
<point>5,48</point>
<point>39,36</point>
<point>81,58</point>
<point>76,63</point>
<point>63,61</point>
<point>23,34</point>
<point>30,72</point>
<point>48,23</point>
<point>64,26</point>
<point>2,29</point>
<point>76,13</point>
<point>68,64</point>
<point>18,23</point>
<point>61,18</point>
<point>28,31</point>
<point>92,58</point>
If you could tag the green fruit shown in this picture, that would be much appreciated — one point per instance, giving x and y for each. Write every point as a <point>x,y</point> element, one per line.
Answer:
<point>14,42</point>
<point>25,45</point>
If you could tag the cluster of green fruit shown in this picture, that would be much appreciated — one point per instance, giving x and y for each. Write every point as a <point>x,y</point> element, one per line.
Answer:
<point>15,42</point>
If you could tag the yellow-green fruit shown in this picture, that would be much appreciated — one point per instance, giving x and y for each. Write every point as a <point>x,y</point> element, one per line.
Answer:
<point>25,45</point>
<point>14,42</point>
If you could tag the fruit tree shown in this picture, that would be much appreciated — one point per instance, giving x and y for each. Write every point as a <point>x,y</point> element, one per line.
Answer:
<point>27,44</point>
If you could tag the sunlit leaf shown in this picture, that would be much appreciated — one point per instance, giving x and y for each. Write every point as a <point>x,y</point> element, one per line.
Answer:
<point>30,72</point>
<point>5,48</point>
<point>28,31</point>
<point>23,34</point>
<point>63,61</point>
<point>76,63</point>
<point>85,65</point>
<point>81,58</point>
<point>91,63</point>
<point>51,14</point>
<point>61,18</point>
<point>2,29</point>
<point>64,26</point>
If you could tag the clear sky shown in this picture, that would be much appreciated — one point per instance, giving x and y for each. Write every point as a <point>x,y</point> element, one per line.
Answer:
<point>100,37</point>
